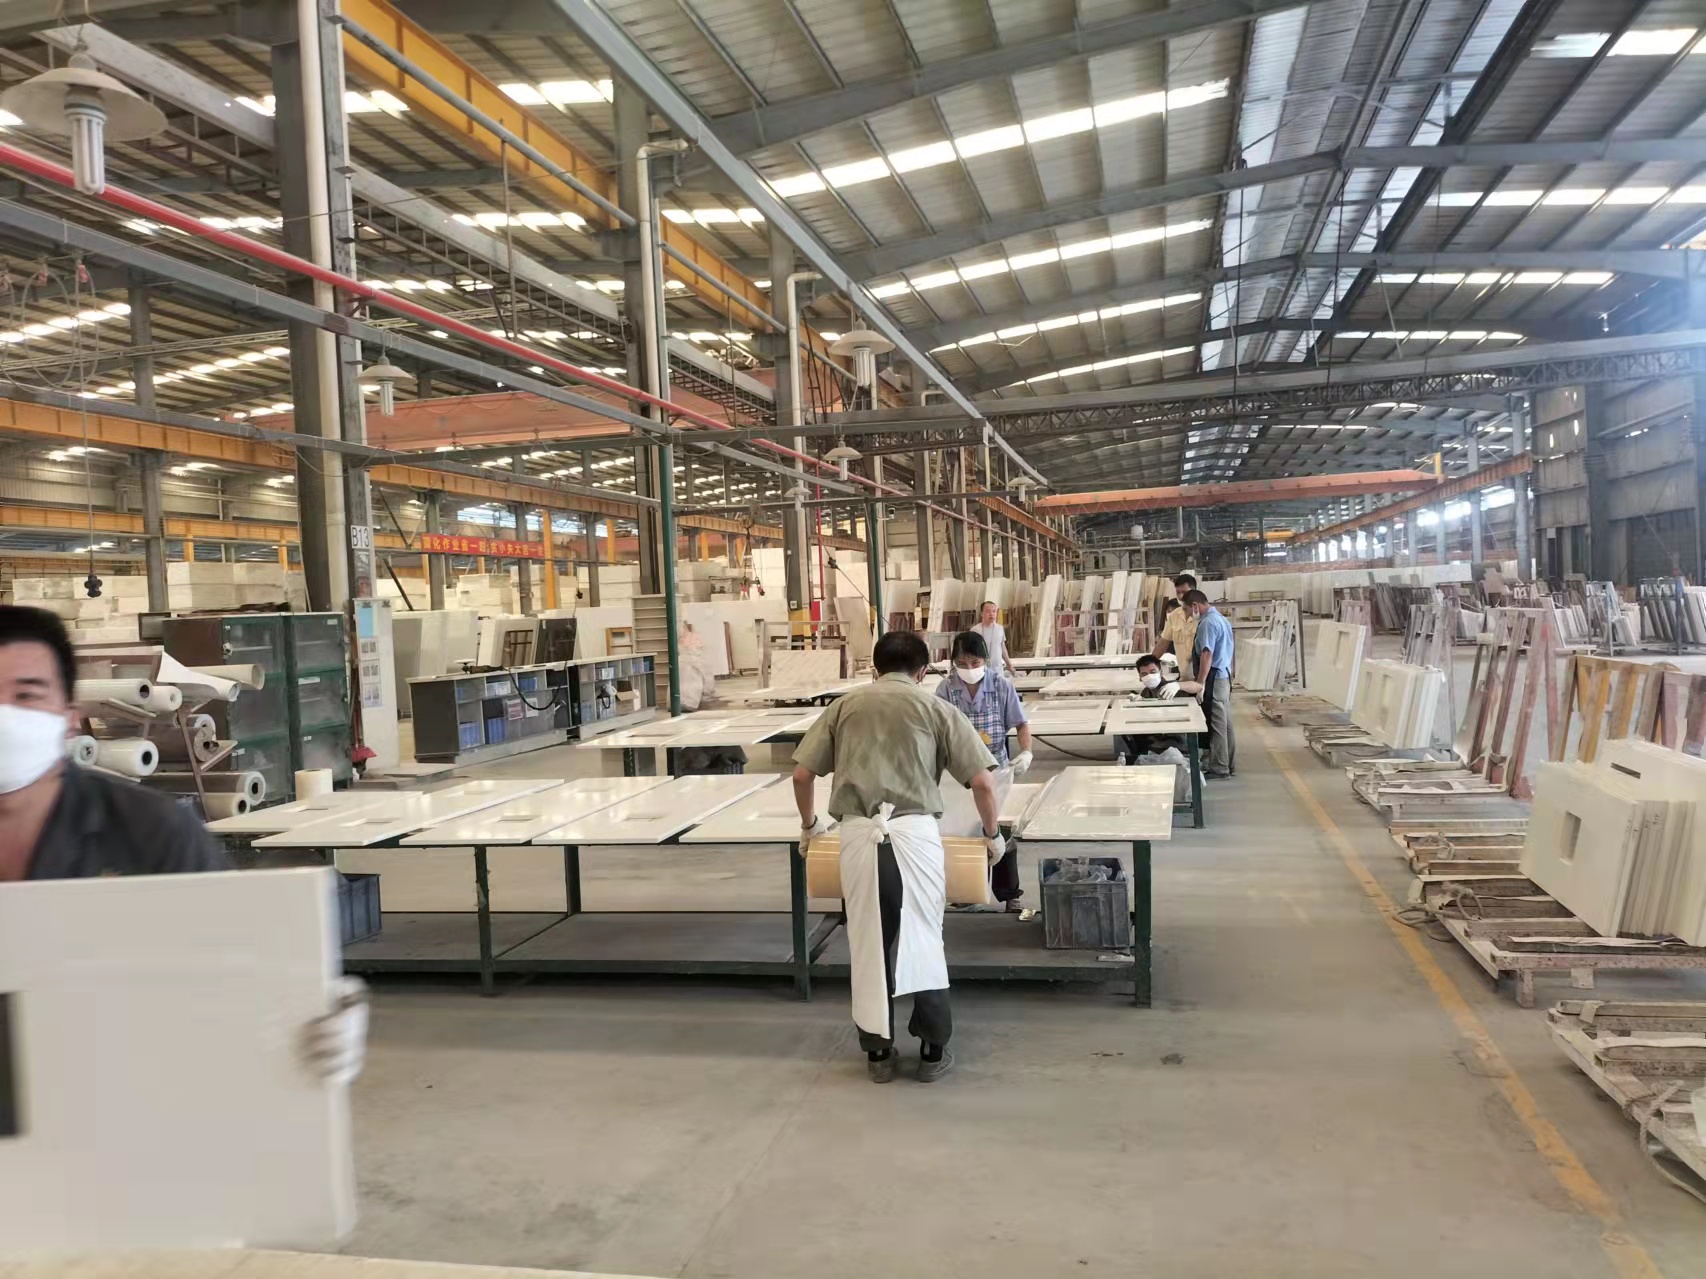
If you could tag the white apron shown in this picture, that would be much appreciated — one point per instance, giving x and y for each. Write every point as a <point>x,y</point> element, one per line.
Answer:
<point>920,963</point>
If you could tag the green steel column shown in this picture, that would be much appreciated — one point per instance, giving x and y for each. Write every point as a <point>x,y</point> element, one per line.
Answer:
<point>667,549</point>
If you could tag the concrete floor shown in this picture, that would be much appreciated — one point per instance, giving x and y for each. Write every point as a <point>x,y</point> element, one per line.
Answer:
<point>1298,1102</point>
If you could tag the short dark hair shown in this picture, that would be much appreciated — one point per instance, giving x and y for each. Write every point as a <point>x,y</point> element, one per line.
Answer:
<point>1185,579</point>
<point>22,625</point>
<point>1148,660</point>
<point>1169,604</point>
<point>970,644</point>
<point>900,652</point>
<point>1195,597</point>
<point>991,604</point>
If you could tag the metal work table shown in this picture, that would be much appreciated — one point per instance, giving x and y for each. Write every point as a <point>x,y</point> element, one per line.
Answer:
<point>630,814</point>
<point>1081,808</point>
<point>1097,717</point>
<point>736,727</point>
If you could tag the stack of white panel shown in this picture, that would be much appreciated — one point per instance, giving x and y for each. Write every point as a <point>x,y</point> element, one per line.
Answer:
<point>490,594</point>
<point>1047,606</point>
<point>1396,703</point>
<point>1259,663</point>
<point>1335,664</point>
<point>1617,843</point>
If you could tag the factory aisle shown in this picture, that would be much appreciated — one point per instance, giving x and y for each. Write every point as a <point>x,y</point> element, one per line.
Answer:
<point>1300,1102</point>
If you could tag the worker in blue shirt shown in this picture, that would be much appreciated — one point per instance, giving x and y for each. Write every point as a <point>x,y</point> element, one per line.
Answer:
<point>988,699</point>
<point>1212,650</point>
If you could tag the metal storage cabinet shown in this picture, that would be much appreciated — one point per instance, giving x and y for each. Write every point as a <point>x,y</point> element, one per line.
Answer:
<point>259,720</point>
<point>316,648</point>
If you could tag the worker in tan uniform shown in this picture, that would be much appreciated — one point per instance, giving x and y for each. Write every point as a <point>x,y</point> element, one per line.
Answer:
<point>1179,625</point>
<point>887,746</point>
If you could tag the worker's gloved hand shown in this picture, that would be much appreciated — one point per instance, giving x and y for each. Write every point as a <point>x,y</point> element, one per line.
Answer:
<point>334,1047</point>
<point>807,833</point>
<point>995,846</point>
<point>1169,691</point>
<point>1021,763</point>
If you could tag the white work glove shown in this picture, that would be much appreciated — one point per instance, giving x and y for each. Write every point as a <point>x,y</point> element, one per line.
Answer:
<point>1021,763</point>
<point>995,846</point>
<point>1169,691</point>
<point>334,1047</point>
<point>808,833</point>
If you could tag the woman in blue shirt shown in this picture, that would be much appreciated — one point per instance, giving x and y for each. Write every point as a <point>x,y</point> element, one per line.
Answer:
<point>988,699</point>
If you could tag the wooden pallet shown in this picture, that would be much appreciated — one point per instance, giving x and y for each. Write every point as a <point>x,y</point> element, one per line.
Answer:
<point>1524,946</point>
<point>1651,1084</point>
<point>1302,709</point>
<point>1427,852</point>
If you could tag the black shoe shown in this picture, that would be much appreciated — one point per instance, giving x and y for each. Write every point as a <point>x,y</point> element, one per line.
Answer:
<point>1218,777</point>
<point>930,1071</point>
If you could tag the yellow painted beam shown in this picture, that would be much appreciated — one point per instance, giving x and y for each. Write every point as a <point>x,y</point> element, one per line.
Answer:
<point>123,434</point>
<point>395,29</point>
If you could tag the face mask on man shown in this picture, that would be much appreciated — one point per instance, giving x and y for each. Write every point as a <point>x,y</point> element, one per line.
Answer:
<point>1152,679</point>
<point>31,743</point>
<point>971,674</point>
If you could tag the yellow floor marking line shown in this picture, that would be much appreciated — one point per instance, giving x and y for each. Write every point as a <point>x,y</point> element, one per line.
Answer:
<point>1628,1258</point>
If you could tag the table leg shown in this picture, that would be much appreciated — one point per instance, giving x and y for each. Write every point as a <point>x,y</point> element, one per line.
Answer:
<point>797,906</point>
<point>483,910</point>
<point>572,878</point>
<point>1195,748</point>
<point>1141,946</point>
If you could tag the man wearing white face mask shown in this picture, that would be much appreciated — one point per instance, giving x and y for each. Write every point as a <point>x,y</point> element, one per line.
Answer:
<point>1157,683</point>
<point>59,821</point>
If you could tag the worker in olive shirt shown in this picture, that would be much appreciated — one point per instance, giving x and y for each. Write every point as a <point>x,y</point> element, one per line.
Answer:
<point>59,821</point>
<point>887,746</point>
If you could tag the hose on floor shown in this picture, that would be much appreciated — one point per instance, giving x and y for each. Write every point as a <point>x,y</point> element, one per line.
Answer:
<point>1648,1119</point>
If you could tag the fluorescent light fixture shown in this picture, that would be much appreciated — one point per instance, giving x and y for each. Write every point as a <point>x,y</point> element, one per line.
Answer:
<point>1513,196</point>
<point>1573,195</point>
<point>846,175</point>
<point>1637,195</point>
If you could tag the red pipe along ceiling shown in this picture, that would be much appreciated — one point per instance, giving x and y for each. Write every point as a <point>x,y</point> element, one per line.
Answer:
<point>49,171</point>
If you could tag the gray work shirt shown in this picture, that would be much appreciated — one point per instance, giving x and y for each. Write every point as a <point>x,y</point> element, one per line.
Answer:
<point>890,744</point>
<point>108,826</point>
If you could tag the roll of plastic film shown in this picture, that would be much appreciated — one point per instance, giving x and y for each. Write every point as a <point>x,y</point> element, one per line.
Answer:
<point>313,781</point>
<point>126,692</point>
<point>232,805</point>
<point>133,757</point>
<point>82,750</point>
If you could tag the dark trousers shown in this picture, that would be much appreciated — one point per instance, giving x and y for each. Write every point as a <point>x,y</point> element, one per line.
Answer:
<point>1004,876</point>
<point>932,1016</point>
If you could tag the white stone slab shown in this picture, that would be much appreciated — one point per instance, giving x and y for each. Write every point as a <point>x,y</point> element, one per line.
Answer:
<point>768,816</point>
<point>1102,805</point>
<point>1336,662</point>
<point>163,1100</point>
<point>1067,717</point>
<point>1094,683</point>
<point>1583,835</point>
<point>520,820</point>
<point>1669,774</point>
<point>1179,715</point>
<point>269,821</point>
<point>403,812</point>
<point>804,692</point>
<point>658,814</point>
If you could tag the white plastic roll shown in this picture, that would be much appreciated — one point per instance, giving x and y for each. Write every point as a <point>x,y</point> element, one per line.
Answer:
<point>248,783</point>
<point>203,724</point>
<point>127,692</point>
<point>82,750</point>
<point>130,757</point>
<point>234,805</point>
<point>313,781</point>
<point>163,699</point>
